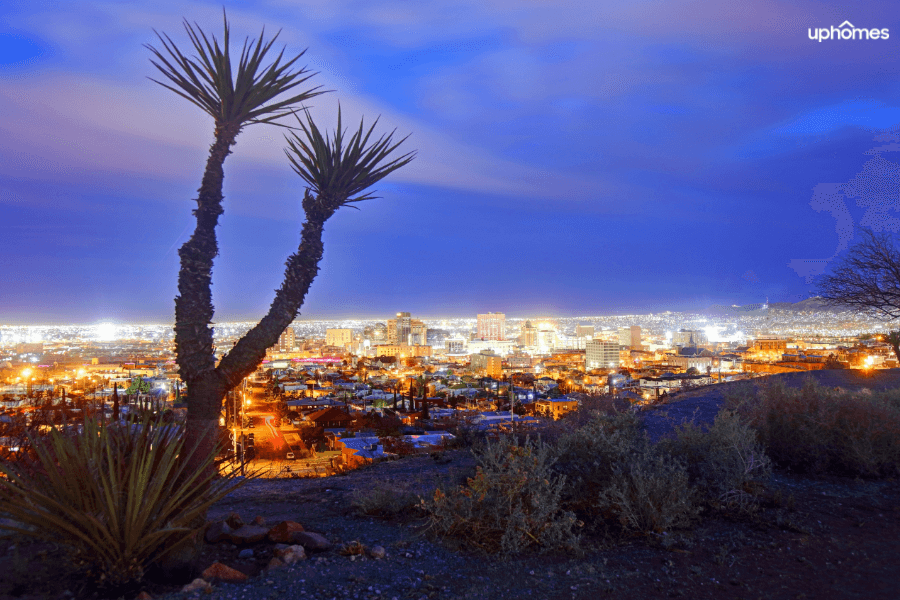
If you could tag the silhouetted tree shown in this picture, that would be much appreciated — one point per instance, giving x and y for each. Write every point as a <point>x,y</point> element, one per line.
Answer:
<point>337,171</point>
<point>867,278</point>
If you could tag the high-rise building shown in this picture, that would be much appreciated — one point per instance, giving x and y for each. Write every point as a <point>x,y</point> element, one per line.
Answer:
<point>689,338</point>
<point>488,363</point>
<point>528,335</point>
<point>398,329</point>
<point>599,354</point>
<point>338,337</point>
<point>584,331</point>
<point>286,340</point>
<point>418,333</point>
<point>491,326</point>
<point>455,345</point>
<point>630,337</point>
<point>406,330</point>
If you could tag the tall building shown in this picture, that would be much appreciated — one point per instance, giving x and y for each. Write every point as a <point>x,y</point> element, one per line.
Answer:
<point>630,337</point>
<point>488,363</point>
<point>585,331</point>
<point>455,346</point>
<point>286,340</point>
<point>418,333</point>
<point>599,354</point>
<point>491,326</point>
<point>689,338</point>
<point>398,329</point>
<point>338,337</point>
<point>528,335</point>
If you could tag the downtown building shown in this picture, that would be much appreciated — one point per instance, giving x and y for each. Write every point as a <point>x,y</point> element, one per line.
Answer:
<point>599,354</point>
<point>491,326</point>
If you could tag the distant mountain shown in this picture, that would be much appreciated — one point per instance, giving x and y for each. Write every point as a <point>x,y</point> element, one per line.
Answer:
<point>816,304</point>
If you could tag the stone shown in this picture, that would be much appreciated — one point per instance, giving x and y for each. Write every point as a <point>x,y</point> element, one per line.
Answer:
<point>275,563</point>
<point>312,542</point>
<point>218,531</point>
<point>197,585</point>
<point>248,534</point>
<point>377,552</point>
<point>258,521</point>
<point>245,553</point>
<point>293,555</point>
<point>234,520</point>
<point>224,573</point>
<point>282,532</point>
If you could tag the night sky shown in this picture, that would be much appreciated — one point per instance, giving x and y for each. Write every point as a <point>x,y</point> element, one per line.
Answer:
<point>574,158</point>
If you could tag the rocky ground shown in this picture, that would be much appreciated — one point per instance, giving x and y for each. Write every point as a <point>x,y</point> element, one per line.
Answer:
<point>811,538</point>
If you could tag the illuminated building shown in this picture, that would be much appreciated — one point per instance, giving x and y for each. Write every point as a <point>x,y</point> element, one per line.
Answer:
<point>286,340</point>
<point>491,326</point>
<point>338,337</point>
<point>528,335</point>
<point>488,363</point>
<point>630,337</point>
<point>401,350</point>
<point>584,331</point>
<point>406,330</point>
<point>689,337</point>
<point>599,354</point>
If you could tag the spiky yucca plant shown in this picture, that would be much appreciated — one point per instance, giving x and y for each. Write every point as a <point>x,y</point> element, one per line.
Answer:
<point>120,498</point>
<point>235,98</point>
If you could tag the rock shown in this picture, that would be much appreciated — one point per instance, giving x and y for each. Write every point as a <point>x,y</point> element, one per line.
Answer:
<point>218,531</point>
<point>197,585</point>
<point>275,563</point>
<point>291,554</point>
<point>312,542</point>
<point>248,534</point>
<point>234,521</point>
<point>245,553</point>
<point>143,596</point>
<point>258,521</point>
<point>283,531</point>
<point>377,552</point>
<point>219,571</point>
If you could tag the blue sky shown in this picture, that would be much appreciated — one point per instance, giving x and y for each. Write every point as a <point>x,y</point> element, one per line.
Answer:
<point>574,158</point>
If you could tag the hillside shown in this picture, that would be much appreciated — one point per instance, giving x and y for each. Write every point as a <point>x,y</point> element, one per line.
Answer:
<point>811,538</point>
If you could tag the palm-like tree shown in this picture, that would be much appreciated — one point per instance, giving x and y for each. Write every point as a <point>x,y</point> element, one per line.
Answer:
<point>336,172</point>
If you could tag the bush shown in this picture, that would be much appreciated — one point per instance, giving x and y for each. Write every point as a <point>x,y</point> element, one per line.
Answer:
<point>385,500</point>
<point>512,503</point>
<point>817,430</point>
<point>121,498</point>
<point>726,463</point>
<point>648,492</point>
<point>614,475</point>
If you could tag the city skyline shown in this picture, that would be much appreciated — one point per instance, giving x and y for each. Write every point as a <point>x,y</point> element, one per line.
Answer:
<point>573,159</point>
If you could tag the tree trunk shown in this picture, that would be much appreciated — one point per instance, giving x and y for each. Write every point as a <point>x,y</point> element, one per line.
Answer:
<point>194,351</point>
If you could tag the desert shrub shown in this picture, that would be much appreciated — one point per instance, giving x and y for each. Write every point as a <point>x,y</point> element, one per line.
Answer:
<point>119,498</point>
<point>385,500</point>
<point>511,504</point>
<point>648,492</point>
<point>817,429</point>
<point>726,463</point>
<point>615,476</point>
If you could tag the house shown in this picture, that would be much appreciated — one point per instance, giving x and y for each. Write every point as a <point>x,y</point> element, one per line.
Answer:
<point>331,417</point>
<point>555,407</point>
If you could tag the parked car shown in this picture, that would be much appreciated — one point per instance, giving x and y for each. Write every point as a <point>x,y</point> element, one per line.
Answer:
<point>290,456</point>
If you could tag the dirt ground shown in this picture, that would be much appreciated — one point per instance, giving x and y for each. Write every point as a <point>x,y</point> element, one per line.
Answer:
<point>823,537</point>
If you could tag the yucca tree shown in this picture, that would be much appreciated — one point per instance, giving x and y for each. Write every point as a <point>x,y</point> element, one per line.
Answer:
<point>260,89</point>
